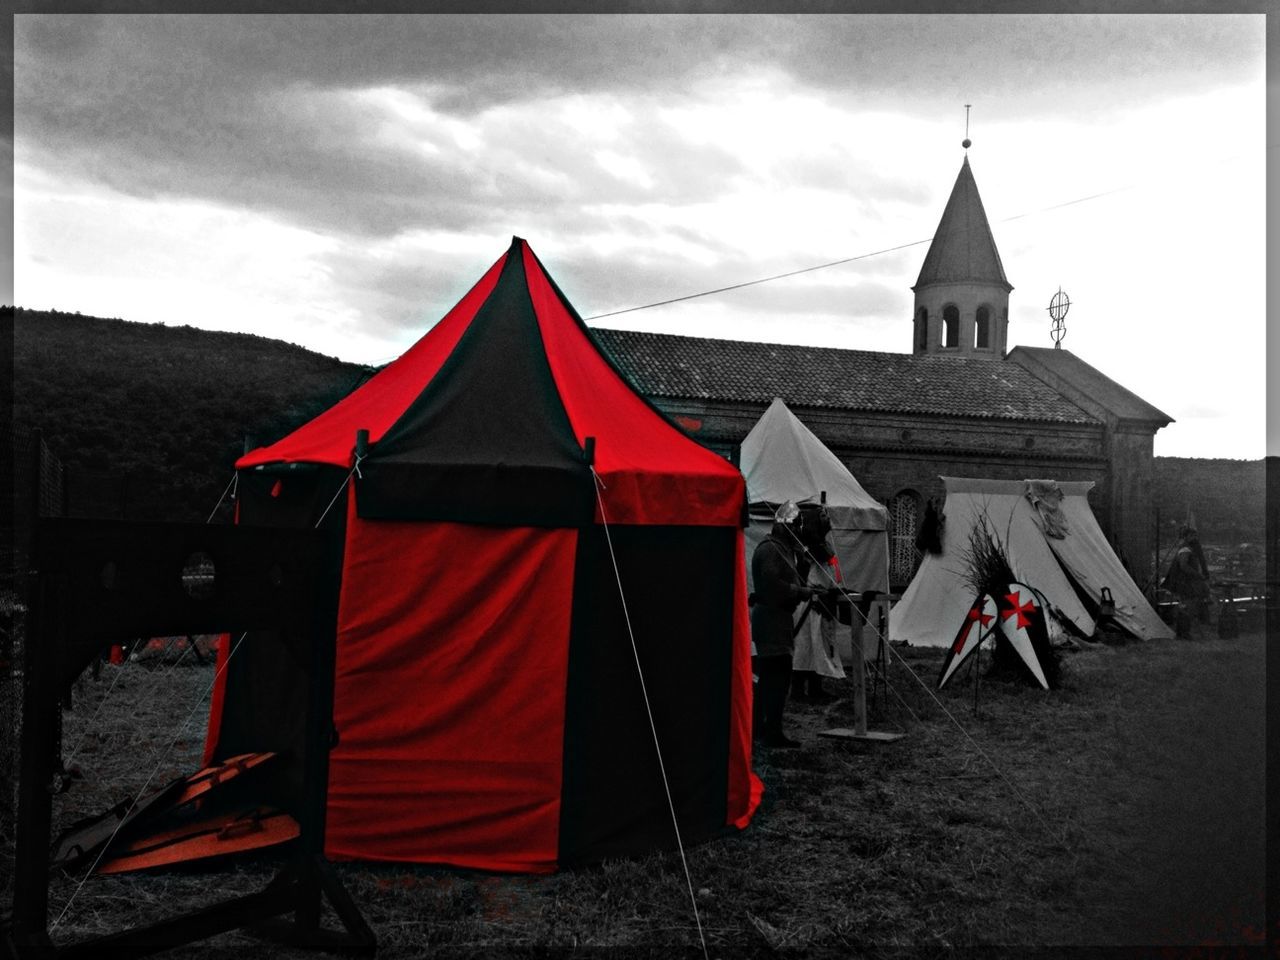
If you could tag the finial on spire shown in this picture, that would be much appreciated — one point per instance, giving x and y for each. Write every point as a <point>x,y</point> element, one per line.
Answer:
<point>966,142</point>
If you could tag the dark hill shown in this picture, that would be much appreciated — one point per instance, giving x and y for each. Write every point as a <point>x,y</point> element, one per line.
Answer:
<point>167,409</point>
<point>148,419</point>
<point>1227,498</point>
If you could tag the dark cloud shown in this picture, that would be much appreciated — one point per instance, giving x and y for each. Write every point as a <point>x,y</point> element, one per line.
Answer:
<point>281,115</point>
<point>195,119</point>
<point>259,111</point>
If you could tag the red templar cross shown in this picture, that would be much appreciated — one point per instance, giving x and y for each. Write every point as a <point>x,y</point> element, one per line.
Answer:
<point>1016,606</point>
<point>975,613</point>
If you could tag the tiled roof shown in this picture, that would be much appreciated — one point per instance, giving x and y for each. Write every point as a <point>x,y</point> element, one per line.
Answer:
<point>1092,382</point>
<point>698,368</point>
<point>963,247</point>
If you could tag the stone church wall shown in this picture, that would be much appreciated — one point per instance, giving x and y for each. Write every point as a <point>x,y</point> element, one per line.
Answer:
<point>890,453</point>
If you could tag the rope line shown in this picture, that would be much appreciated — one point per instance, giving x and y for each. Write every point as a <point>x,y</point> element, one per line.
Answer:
<point>986,756</point>
<point>152,686</point>
<point>150,777</point>
<point>97,710</point>
<point>355,471</point>
<point>235,475</point>
<point>635,650</point>
<point>752,283</point>
<point>974,743</point>
<point>865,618</point>
<point>876,253</point>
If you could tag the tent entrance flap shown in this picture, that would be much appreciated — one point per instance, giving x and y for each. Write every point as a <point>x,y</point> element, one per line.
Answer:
<point>683,627</point>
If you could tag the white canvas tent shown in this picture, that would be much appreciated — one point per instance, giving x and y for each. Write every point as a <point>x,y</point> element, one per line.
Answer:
<point>782,460</point>
<point>938,597</point>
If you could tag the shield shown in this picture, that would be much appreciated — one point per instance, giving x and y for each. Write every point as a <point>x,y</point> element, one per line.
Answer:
<point>979,623</point>
<point>1022,624</point>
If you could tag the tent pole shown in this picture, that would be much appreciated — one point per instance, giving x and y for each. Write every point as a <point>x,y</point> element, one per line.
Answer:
<point>1155,582</point>
<point>859,670</point>
<point>977,675</point>
<point>859,686</point>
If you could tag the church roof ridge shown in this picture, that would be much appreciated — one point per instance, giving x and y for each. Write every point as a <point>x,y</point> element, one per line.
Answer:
<point>1099,388</point>
<point>963,248</point>
<point>707,368</point>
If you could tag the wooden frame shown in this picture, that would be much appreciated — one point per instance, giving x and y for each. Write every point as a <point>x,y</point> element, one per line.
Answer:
<point>97,582</point>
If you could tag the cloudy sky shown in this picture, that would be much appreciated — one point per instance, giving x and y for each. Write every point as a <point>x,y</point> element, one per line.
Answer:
<point>341,182</point>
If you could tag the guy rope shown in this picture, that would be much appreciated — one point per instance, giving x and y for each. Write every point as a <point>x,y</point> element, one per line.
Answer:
<point>666,785</point>
<point>941,706</point>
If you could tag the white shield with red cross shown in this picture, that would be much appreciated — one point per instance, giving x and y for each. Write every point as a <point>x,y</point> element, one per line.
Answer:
<point>1022,624</point>
<point>979,623</point>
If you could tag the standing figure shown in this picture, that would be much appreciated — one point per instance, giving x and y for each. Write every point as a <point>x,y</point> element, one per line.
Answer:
<point>1188,578</point>
<point>778,571</point>
<point>815,622</point>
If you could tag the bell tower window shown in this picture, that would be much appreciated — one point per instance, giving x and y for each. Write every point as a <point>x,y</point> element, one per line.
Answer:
<point>982,329</point>
<point>950,325</point>
<point>922,329</point>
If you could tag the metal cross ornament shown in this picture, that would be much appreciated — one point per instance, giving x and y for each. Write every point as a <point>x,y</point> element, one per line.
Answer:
<point>1058,308</point>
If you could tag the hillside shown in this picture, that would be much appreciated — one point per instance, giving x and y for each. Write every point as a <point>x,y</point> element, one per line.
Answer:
<point>147,418</point>
<point>1226,497</point>
<point>167,408</point>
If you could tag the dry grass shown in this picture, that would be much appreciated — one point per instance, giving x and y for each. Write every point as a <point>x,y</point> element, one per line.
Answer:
<point>868,849</point>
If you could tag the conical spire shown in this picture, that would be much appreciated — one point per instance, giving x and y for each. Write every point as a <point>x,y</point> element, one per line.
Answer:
<point>963,249</point>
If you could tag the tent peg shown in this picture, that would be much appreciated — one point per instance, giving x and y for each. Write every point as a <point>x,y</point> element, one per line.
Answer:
<point>589,450</point>
<point>362,444</point>
<point>249,443</point>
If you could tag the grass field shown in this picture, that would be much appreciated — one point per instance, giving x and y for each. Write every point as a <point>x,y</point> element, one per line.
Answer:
<point>1124,808</point>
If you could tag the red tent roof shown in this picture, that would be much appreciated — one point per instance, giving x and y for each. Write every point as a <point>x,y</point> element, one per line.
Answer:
<point>487,418</point>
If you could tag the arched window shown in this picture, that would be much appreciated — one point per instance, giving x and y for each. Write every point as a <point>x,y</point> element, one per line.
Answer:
<point>950,326</point>
<point>904,519</point>
<point>982,328</point>
<point>922,329</point>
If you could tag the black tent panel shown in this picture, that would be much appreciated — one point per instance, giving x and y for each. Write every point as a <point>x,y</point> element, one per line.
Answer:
<point>678,583</point>
<point>488,439</point>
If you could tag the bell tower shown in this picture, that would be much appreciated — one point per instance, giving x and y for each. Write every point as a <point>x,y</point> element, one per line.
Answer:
<point>962,295</point>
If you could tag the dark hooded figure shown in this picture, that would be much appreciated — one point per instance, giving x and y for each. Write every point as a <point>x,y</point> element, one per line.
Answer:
<point>1188,578</point>
<point>778,571</point>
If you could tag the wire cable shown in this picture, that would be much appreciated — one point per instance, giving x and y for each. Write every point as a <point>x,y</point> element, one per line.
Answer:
<point>355,471</point>
<point>653,728</point>
<point>752,283</point>
<point>235,475</point>
<point>876,253</point>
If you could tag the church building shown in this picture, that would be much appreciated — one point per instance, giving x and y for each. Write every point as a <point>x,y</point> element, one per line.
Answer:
<point>959,404</point>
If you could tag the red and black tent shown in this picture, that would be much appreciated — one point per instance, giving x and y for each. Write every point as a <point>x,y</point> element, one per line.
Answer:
<point>488,706</point>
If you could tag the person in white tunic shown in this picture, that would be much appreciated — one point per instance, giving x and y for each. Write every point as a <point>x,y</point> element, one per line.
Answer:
<point>815,654</point>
